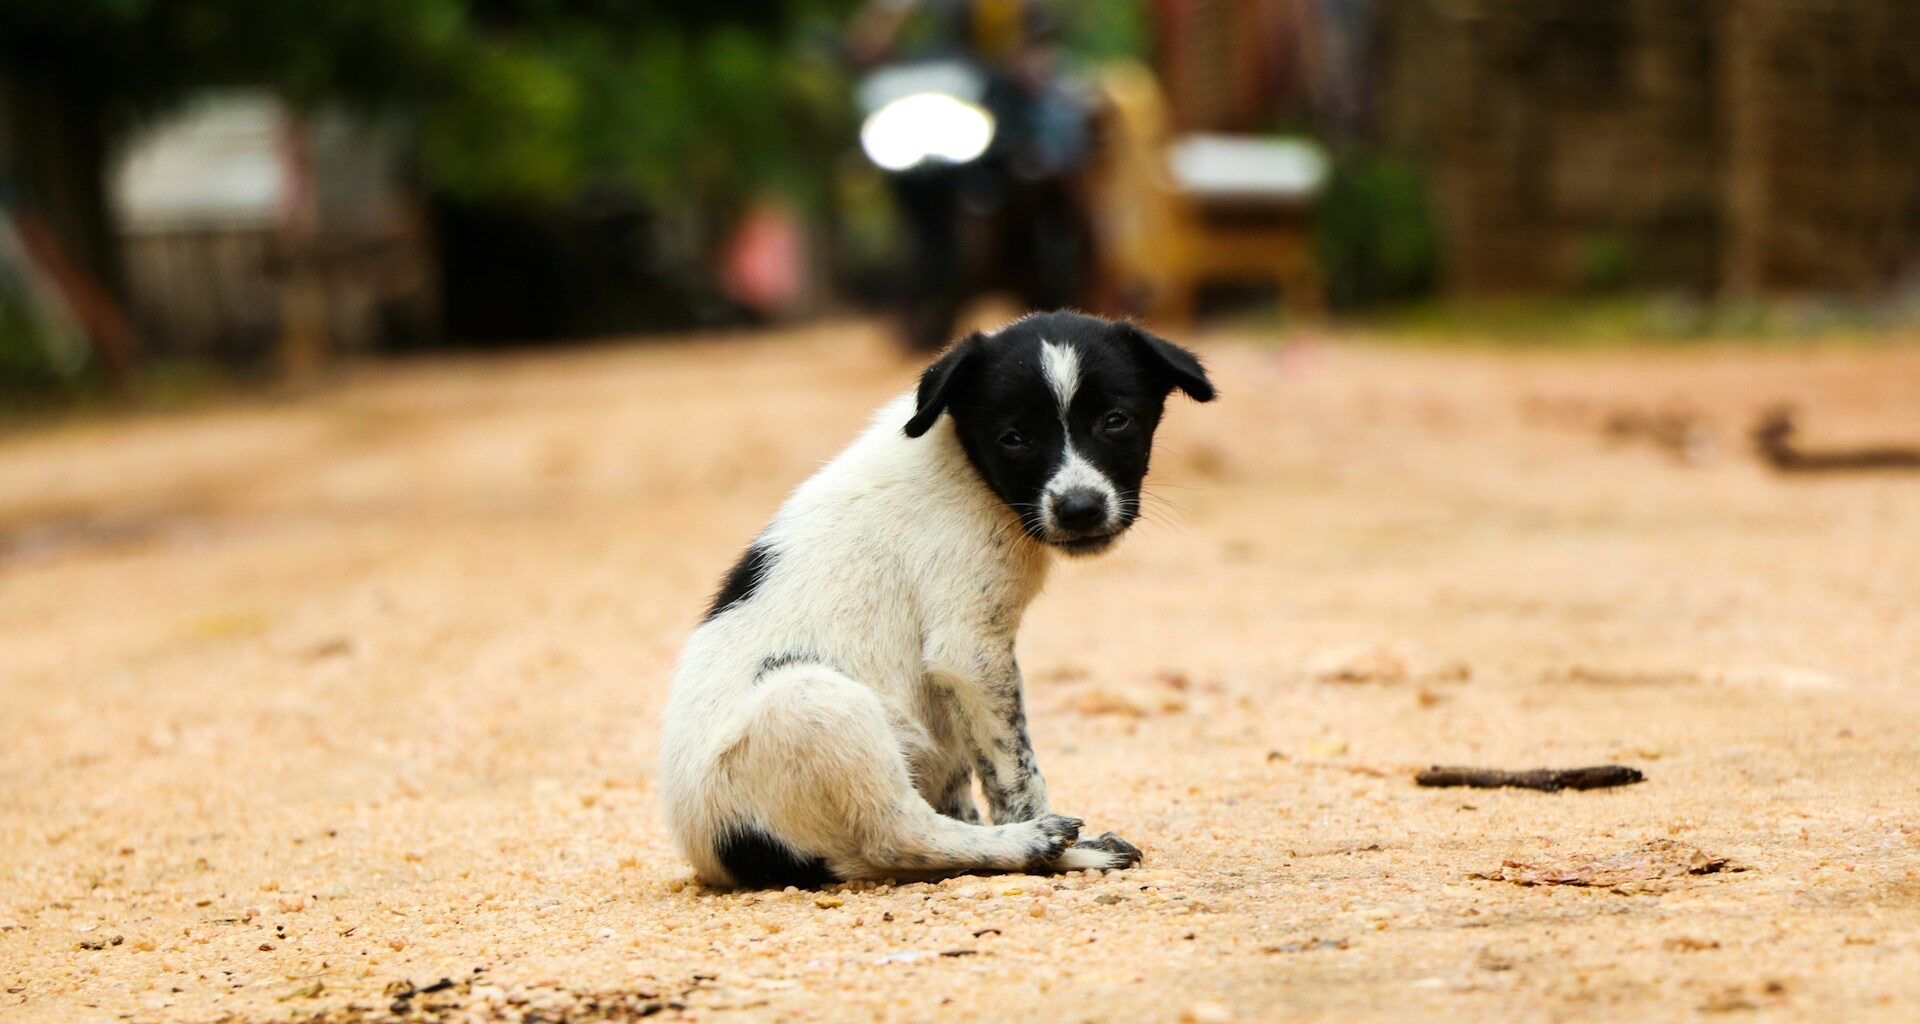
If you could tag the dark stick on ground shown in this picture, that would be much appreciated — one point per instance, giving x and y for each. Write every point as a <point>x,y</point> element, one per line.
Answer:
<point>1550,780</point>
<point>1773,437</point>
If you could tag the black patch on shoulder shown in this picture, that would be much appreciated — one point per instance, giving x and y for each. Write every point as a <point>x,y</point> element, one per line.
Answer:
<point>757,860</point>
<point>743,579</point>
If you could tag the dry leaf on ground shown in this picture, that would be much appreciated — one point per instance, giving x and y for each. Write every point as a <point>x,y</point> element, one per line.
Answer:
<point>1104,701</point>
<point>1650,862</point>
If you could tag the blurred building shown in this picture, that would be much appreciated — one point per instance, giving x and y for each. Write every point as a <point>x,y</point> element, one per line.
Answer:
<point>1743,146</point>
<point>248,230</point>
<point>1230,65</point>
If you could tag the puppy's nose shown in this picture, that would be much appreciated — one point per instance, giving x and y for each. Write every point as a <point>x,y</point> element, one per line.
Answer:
<point>1079,509</point>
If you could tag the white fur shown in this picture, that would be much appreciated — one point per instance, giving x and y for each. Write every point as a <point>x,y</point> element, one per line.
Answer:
<point>907,576</point>
<point>1076,472</point>
<point>1060,368</point>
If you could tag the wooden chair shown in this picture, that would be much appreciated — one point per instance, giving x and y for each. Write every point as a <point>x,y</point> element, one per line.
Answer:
<point>1174,214</point>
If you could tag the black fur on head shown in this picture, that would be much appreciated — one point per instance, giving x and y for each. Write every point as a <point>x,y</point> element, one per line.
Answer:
<point>1057,413</point>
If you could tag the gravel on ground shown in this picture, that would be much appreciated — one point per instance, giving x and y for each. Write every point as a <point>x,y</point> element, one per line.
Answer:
<point>342,706</point>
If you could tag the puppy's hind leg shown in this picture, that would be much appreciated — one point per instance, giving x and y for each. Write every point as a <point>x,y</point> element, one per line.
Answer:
<point>955,796</point>
<point>821,767</point>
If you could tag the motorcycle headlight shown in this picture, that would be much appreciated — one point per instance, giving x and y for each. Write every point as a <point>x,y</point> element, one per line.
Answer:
<point>926,126</point>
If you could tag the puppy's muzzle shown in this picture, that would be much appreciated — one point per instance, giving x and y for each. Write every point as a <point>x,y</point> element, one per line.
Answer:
<point>1081,510</point>
<point>1080,519</point>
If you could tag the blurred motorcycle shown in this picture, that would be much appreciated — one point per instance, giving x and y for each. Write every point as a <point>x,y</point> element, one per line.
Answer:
<point>984,169</point>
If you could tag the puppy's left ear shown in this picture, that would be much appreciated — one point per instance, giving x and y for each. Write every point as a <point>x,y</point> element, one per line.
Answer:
<point>1179,367</point>
<point>939,381</point>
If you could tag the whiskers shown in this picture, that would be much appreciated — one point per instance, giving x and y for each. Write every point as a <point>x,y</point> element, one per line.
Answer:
<point>1026,516</point>
<point>1158,511</point>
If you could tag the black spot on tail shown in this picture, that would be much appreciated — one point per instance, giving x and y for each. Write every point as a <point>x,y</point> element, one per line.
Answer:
<point>743,579</point>
<point>756,860</point>
<point>775,662</point>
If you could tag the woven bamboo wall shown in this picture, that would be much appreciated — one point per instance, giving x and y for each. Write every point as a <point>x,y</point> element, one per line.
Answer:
<point>1743,145</point>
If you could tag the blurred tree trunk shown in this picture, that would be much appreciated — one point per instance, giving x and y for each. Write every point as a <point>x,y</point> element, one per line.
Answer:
<point>53,162</point>
<point>1743,265</point>
<point>303,296</point>
<point>56,147</point>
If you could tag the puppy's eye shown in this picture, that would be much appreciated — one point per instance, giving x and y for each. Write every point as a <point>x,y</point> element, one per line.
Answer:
<point>1117,421</point>
<point>1010,438</point>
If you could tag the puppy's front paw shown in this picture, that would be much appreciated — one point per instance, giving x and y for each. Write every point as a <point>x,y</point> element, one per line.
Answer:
<point>1053,835</point>
<point>1105,851</point>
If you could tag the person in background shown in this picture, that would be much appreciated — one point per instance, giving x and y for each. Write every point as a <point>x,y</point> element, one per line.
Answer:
<point>1018,43</point>
<point>1029,186</point>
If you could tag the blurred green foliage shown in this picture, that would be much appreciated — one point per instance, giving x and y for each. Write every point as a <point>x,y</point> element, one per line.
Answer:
<point>514,100</point>
<point>1378,240</point>
<point>23,356</point>
<point>1606,264</point>
<point>1101,30</point>
<point>37,353</point>
<point>676,114</point>
<point>1640,318</point>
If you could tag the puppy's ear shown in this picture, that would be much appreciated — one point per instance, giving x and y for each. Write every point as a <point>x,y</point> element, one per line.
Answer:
<point>938,383</point>
<point>1177,366</point>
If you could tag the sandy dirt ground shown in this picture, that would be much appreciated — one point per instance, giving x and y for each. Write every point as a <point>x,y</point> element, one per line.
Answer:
<point>311,704</point>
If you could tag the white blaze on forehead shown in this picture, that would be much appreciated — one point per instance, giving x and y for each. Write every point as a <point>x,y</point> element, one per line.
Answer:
<point>1060,367</point>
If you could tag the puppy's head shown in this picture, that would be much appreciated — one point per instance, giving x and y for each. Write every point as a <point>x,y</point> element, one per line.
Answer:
<point>1057,412</point>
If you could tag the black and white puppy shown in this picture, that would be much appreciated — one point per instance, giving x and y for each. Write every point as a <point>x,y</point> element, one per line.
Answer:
<point>856,670</point>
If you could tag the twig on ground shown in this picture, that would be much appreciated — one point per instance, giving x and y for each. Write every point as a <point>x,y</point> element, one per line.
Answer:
<point>1773,437</point>
<point>1550,780</point>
